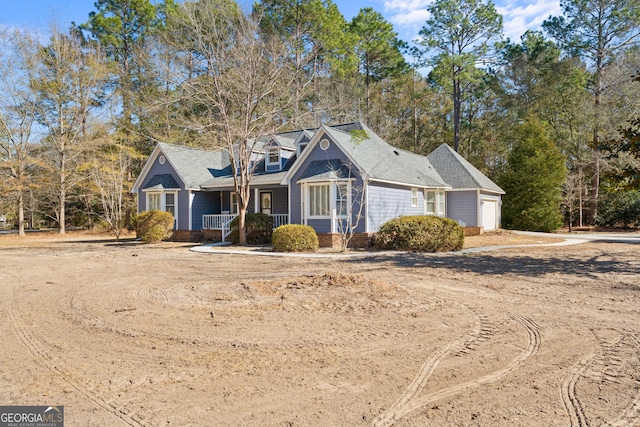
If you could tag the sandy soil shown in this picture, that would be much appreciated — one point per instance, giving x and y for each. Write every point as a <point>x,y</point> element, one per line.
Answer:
<point>151,335</point>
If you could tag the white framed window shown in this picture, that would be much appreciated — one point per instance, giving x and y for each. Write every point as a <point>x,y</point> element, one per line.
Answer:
<point>273,156</point>
<point>233,204</point>
<point>324,144</point>
<point>154,203</point>
<point>414,197</point>
<point>434,203</point>
<point>430,203</point>
<point>170,203</point>
<point>342,199</point>
<point>441,204</point>
<point>319,201</point>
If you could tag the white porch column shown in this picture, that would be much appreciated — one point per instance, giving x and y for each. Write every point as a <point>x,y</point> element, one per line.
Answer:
<point>256,200</point>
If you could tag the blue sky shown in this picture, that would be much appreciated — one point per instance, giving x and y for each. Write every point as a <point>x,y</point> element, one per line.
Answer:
<point>407,16</point>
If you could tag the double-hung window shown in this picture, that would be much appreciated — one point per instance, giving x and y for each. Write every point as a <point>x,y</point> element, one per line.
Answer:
<point>434,203</point>
<point>319,201</point>
<point>234,204</point>
<point>155,203</point>
<point>273,156</point>
<point>414,197</point>
<point>342,199</point>
<point>170,203</point>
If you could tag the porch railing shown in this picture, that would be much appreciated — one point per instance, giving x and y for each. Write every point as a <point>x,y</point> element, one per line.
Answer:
<point>216,222</point>
<point>280,219</point>
<point>223,222</point>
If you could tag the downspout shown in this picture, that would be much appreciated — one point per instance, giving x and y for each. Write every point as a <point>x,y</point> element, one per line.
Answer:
<point>190,197</point>
<point>479,209</point>
<point>365,183</point>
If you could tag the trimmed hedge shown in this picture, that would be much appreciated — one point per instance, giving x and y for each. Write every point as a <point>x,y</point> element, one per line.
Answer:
<point>420,234</point>
<point>294,238</point>
<point>154,226</point>
<point>259,228</point>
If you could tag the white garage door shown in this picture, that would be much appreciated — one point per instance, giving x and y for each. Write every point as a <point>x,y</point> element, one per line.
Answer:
<point>489,210</point>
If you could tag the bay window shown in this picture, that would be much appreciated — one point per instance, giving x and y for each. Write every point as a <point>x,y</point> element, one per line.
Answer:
<point>319,204</point>
<point>163,201</point>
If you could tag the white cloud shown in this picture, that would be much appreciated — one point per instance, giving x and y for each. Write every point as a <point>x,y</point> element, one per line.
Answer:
<point>408,16</point>
<point>520,17</point>
<point>404,6</point>
<point>412,18</point>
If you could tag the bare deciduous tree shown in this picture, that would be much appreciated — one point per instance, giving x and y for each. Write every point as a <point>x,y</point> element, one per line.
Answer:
<point>68,81</point>
<point>17,117</point>
<point>109,172</point>
<point>237,80</point>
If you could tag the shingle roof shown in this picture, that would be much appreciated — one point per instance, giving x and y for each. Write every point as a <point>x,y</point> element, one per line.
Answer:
<point>458,172</point>
<point>162,181</point>
<point>260,176</point>
<point>381,161</point>
<point>326,170</point>
<point>192,164</point>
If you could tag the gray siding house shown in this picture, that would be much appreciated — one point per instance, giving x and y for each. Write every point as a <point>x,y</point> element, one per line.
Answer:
<point>473,200</point>
<point>329,178</point>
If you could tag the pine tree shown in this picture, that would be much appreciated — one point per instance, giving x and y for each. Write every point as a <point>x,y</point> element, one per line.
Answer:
<point>532,182</point>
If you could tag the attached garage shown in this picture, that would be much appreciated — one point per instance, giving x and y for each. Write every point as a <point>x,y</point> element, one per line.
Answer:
<point>489,214</point>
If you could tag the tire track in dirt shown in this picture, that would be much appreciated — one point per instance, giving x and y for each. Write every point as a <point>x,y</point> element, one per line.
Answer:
<point>244,292</point>
<point>39,352</point>
<point>569,397</point>
<point>631,416</point>
<point>415,403</point>
<point>425,372</point>
<point>609,372</point>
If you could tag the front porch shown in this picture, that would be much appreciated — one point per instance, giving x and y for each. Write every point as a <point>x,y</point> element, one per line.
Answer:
<point>222,222</point>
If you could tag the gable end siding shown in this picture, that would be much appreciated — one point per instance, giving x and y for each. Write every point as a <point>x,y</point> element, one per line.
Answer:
<point>323,225</point>
<point>183,195</point>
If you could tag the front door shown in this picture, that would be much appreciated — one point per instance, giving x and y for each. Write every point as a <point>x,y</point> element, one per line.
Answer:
<point>265,202</point>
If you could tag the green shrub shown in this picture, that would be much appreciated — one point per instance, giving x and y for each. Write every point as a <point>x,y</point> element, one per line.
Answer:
<point>421,234</point>
<point>259,228</point>
<point>294,238</point>
<point>153,226</point>
<point>619,209</point>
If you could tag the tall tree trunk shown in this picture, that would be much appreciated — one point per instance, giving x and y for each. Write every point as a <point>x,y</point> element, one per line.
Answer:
<point>21,213</point>
<point>242,225</point>
<point>61,216</point>
<point>62,195</point>
<point>456,114</point>
<point>595,180</point>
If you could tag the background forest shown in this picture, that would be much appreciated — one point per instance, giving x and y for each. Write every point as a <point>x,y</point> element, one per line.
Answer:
<point>554,118</point>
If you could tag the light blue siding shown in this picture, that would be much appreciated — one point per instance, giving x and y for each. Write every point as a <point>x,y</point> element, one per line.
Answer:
<point>389,201</point>
<point>462,206</point>
<point>204,203</point>
<point>320,225</point>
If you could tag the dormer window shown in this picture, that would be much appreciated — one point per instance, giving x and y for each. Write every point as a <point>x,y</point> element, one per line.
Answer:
<point>273,159</point>
<point>274,156</point>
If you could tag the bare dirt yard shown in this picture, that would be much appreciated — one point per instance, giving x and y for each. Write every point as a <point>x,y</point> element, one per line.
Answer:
<point>156,335</point>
